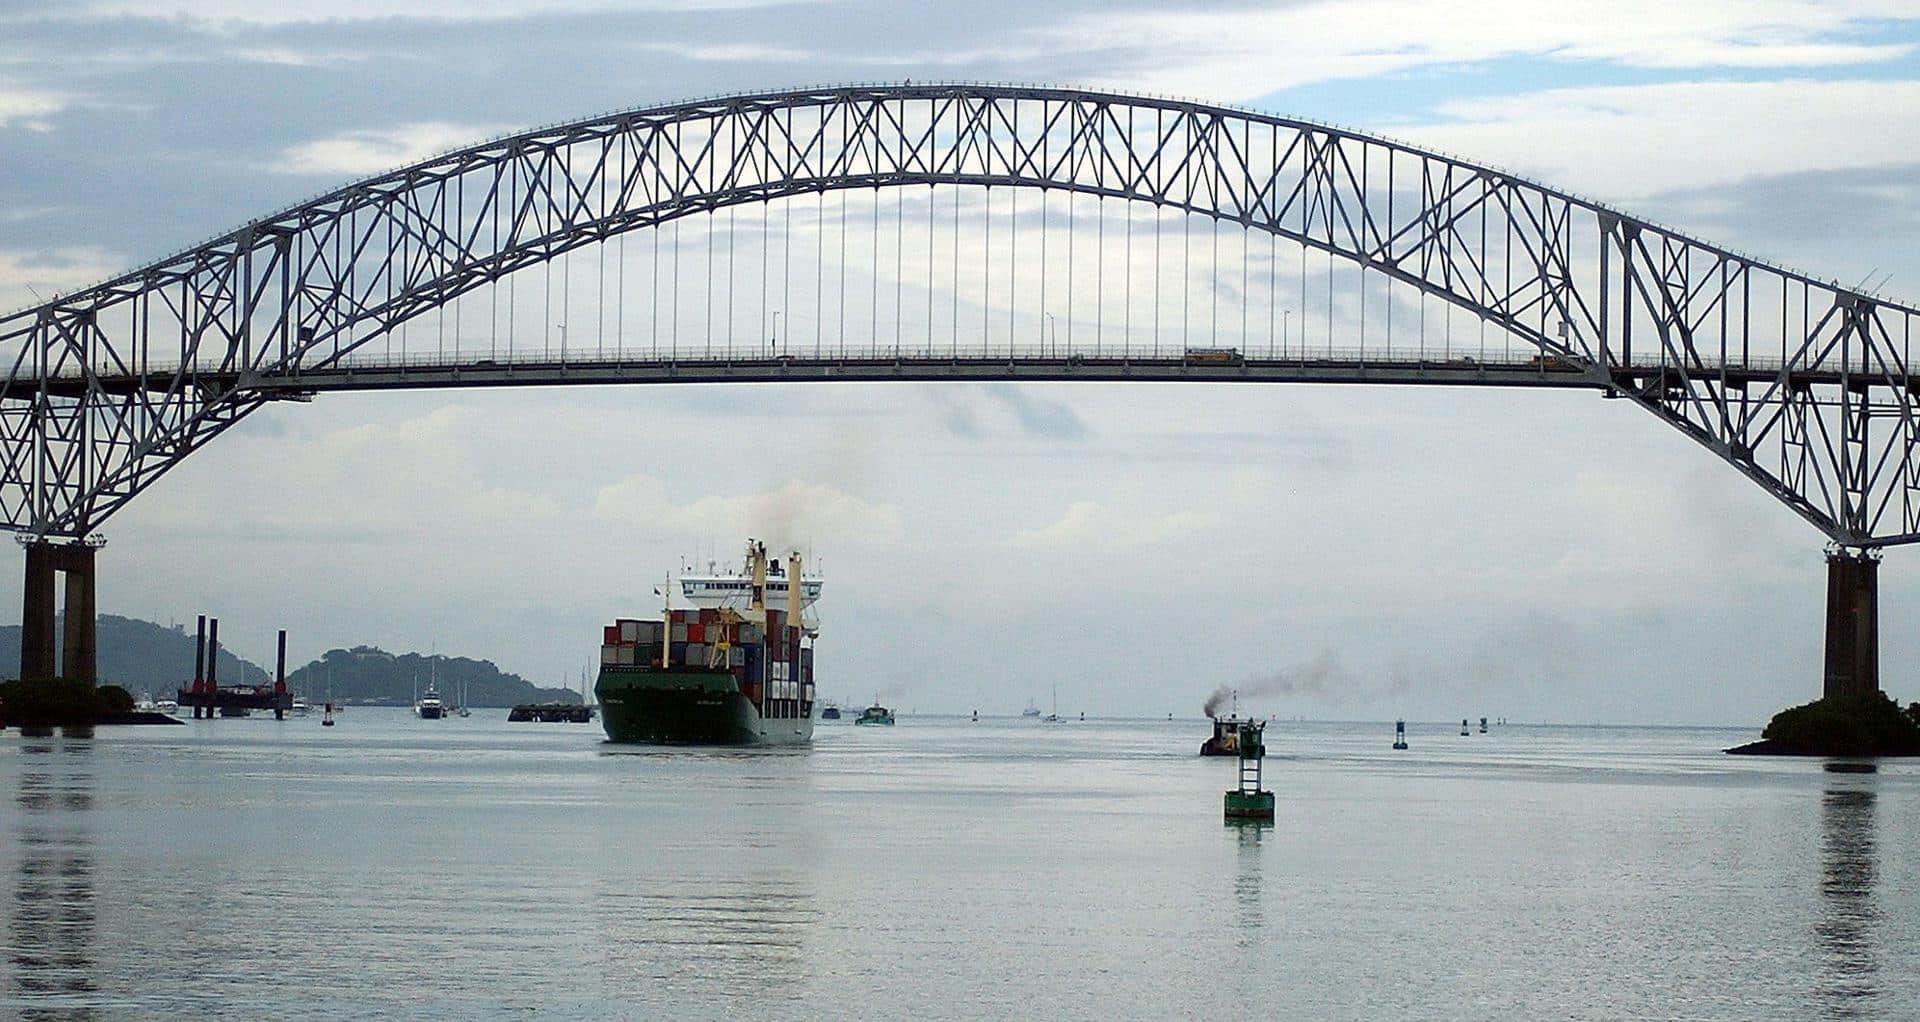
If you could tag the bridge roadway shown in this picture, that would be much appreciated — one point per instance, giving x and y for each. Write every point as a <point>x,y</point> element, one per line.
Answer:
<point>522,369</point>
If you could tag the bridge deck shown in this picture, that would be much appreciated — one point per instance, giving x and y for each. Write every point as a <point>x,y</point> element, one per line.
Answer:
<point>537,370</point>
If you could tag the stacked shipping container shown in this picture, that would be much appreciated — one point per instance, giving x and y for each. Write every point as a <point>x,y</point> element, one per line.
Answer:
<point>769,663</point>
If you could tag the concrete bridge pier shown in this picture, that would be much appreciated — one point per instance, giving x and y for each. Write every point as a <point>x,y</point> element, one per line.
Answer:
<point>1853,623</point>
<point>46,561</point>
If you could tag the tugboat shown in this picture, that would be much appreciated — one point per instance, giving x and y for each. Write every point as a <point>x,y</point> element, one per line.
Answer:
<point>876,714</point>
<point>1226,737</point>
<point>1226,730</point>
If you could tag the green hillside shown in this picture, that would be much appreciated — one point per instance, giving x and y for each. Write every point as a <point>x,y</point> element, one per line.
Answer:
<point>372,676</point>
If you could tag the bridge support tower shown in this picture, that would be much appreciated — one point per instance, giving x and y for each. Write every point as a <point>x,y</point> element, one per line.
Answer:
<point>1853,622</point>
<point>45,562</point>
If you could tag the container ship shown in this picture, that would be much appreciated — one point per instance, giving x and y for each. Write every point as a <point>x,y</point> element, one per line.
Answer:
<point>735,669</point>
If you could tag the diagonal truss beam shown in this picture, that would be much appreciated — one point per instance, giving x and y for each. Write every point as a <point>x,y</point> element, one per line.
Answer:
<point>109,387</point>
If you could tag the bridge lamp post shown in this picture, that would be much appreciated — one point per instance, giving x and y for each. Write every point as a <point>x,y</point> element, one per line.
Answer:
<point>1055,328</point>
<point>773,342</point>
<point>563,342</point>
<point>1286,324</point>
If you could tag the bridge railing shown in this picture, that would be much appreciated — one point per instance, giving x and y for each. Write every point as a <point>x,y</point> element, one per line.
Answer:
<point>1258,356</point>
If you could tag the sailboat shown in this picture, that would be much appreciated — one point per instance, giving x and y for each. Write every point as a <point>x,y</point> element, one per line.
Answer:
<point>462,710</point>
<point>1053,716</point>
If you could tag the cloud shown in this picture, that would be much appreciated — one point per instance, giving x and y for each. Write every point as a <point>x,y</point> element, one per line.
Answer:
<point>1244,52</point>
<point>276,12</point>
<point>1091,525</point>
<point>28,108</point>
<point>1006,405</point>
<point>372,151</point>
<point>29,277</point>
<point>1627,141</point>
<point>794,515</point>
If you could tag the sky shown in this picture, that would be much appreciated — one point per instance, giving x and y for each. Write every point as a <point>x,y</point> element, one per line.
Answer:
<point>1355,553</point>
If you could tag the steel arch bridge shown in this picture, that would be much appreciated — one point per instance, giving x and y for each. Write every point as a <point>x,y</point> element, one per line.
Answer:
<point>1802,385</point>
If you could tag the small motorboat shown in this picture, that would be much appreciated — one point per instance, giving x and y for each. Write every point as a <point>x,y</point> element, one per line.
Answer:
<point>829,711</point>
<point>876,714</point>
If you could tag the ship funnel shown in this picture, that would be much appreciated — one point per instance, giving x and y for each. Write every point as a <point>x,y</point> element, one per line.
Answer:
<point>757,556</point>
<point>793,589</point>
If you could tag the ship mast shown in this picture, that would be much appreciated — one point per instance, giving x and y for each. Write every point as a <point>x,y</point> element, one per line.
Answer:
<point>666,624</point>
<point>757,556</point>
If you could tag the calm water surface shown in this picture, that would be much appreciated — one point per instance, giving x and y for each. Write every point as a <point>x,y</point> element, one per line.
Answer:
<point>391,867</point>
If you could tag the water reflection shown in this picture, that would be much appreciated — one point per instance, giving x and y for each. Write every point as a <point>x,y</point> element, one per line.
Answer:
<point>51,931</point>
<point>1247,885</point>
<point>1849,866</point>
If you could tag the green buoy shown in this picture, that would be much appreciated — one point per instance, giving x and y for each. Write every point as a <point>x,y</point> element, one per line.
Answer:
<point>1248,801</point>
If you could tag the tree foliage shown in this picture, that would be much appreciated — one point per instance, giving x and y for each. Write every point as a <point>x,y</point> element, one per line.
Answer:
<point>1866,725</point>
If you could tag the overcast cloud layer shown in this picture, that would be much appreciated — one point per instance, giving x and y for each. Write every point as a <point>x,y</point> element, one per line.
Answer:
<point>1535,556</point>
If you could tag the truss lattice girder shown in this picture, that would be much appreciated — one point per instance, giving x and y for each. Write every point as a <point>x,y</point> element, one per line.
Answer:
<point>111,386</point>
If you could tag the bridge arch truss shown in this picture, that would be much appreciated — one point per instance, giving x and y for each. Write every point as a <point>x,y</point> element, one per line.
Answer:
<point>1802,385</point>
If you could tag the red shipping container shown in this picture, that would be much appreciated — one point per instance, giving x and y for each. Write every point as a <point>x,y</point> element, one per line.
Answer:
<point>696,633</point>
<point>708,615</point>
<point>611,635</point>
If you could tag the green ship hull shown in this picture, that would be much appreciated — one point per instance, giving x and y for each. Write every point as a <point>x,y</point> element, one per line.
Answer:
<point>687,706</point>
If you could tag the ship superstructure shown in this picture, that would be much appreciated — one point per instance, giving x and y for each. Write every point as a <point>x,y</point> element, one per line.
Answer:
<point>736,669</point>
<point>727,588</point>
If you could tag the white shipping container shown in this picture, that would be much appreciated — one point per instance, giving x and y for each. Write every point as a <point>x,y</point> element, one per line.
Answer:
<point>629,631</point>
<point>610,654</point>
<point>627,656</point>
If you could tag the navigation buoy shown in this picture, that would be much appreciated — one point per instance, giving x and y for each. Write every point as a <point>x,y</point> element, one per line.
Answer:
<point>1464,730</point>
<point>1248,801</point>
<point>1400,734</point>
<point>1483,725</point>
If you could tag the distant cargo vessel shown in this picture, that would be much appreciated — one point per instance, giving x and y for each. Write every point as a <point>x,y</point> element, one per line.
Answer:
<point>732,671</point>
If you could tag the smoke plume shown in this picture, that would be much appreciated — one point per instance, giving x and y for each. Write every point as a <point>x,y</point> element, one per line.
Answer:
<point>1323,679</point>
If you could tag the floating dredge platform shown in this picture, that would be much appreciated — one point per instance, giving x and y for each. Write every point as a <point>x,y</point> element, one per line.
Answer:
<point>208,698</point>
